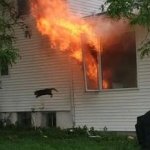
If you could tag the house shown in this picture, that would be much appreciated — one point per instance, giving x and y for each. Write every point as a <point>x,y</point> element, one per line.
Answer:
<point>114,104</point>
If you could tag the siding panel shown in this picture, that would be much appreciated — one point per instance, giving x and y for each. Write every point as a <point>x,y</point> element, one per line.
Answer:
<point>118,109</point>
<point>39,67</point>
<point>84,7</point>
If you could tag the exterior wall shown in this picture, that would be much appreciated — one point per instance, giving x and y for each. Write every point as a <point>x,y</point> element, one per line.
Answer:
<point>64,120</point>
<point>39,67</point>
<point>43,67</point>
<point>84,7</point>
<point>36,119</point>
<point>115,109</point>
<point>6,117</point>
<point>14,118</point>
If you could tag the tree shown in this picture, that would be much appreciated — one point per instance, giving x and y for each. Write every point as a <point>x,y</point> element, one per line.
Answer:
<point>137,12</point>
<point>8,20</point>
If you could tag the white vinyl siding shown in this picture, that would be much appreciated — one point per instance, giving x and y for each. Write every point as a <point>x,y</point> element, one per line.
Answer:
<point>84,7</point>
<point>43,67</point>
<point>118,109</point>
<point>39,67</point>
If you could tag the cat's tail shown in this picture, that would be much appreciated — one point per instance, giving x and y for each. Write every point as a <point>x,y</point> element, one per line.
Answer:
<point>53,89</point>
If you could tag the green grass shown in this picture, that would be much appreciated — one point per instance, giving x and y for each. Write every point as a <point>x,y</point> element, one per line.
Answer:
<point>55,139</point>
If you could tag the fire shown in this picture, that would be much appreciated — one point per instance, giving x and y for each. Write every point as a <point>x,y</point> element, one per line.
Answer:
<point>65,30</point>
<point>77,55</point>
<point>105,84</point>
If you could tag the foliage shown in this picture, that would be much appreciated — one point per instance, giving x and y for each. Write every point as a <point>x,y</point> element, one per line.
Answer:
<point>145,49</point>
<point>55,139</point>
<point>8,19</point>
<point>138,13</point>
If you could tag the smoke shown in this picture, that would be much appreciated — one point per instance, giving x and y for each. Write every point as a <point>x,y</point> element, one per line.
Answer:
<point>64,28</point>
<point>108,30</point>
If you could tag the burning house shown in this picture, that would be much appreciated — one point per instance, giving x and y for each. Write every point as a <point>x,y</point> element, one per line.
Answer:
<point>91,60</point>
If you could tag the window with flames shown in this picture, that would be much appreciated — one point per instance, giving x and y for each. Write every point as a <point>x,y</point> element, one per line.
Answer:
<point>113,65</point>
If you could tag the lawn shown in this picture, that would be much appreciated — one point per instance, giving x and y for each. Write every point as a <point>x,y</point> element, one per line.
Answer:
<point>55,139</point>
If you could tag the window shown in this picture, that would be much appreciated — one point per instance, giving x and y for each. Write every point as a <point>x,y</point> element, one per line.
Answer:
<point>24,119</point>
<point>49,119</point>
<point>112,67</point>
<point>4,71</point>
<point>23,7</point>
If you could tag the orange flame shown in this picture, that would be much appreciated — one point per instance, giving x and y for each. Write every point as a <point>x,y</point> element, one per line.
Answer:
<point>105,84</point>
<point>65,30</point>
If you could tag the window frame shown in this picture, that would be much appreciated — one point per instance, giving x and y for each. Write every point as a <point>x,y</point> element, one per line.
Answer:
<point>99,68</point>
<point>100,89</point>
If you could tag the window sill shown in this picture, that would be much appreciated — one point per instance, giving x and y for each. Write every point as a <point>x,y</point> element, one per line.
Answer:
<point>114,90</point>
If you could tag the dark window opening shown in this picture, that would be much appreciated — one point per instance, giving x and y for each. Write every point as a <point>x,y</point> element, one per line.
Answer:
<point>24,119</point>
<point>118,63</point>
<point>49,119</point>
<point>4,71</point>
<point>23,7</point>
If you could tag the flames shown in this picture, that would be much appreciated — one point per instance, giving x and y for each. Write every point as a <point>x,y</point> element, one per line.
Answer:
<point>65,30</point>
